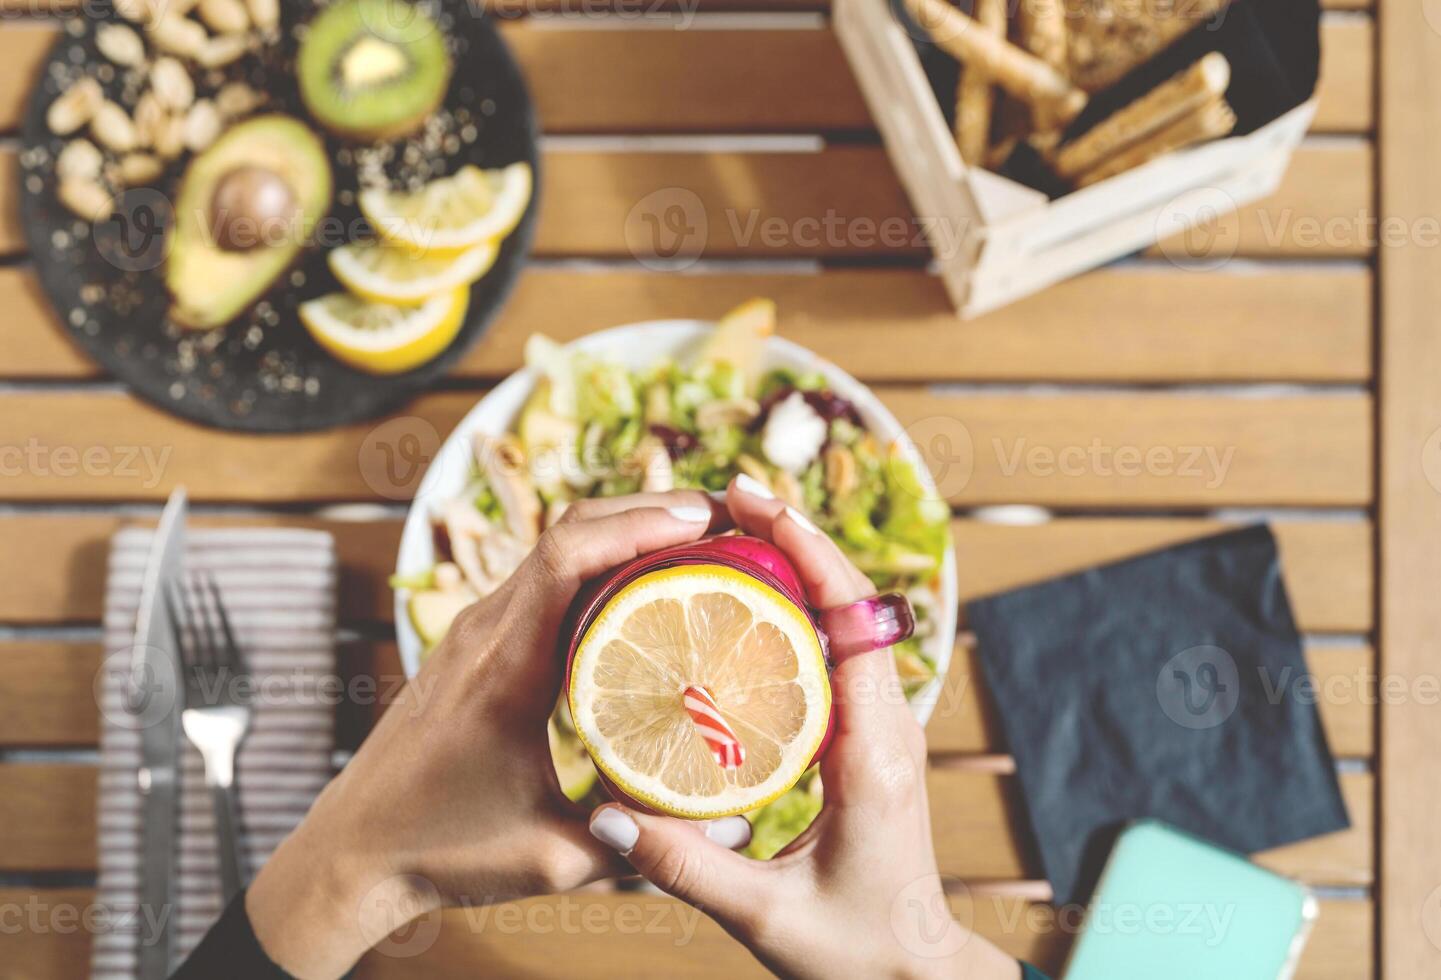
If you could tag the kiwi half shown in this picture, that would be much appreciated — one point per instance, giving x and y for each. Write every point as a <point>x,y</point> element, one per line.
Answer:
<point>373,69</point>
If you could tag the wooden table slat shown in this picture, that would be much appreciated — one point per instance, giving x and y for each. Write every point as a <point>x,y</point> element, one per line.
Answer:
<point>49,810</point>
<point>611,933</point>
<point>1409,530</point>
<point>684,945</point>
<point>589,81</point>
<point>1124,450</point>
<point>846,202</point>
<point>1284,323</point>
<point>47,697</point>
<point>54,565</point>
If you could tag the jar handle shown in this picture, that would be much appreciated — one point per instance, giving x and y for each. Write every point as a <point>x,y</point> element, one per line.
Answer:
<point>871,624</point>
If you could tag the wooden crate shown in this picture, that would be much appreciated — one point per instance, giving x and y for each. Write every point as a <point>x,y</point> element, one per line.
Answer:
<point>996,241</point>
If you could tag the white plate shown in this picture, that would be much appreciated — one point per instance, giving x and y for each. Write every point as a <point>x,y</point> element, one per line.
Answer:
<point>640,346</point>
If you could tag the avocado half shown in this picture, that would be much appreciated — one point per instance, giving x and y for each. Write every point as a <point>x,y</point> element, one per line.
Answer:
<point>210,284</point>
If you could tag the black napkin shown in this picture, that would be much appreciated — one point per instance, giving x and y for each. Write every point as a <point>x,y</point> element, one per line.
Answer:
<point>1162,686</point>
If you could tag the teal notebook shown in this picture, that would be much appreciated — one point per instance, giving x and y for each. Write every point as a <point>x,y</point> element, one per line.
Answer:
<point>1171,905</point>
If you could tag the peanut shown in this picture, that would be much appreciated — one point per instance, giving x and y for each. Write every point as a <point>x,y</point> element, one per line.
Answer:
<point>150,116</point>
<point>236,99</point>
<point>121,45</point>
<point>841,476</point>
<point>75,107</point>
<point>224,50</point>
<point>788,489</point>
<point>202,125</point>
<point>113,129</point>
<point>85,198</point>
<point>265,13</point>
<point>178,36</point>
<point>225,16</point>
<point>172,85</point>
<point>170,137</point>
<point>79,159</point>
<point>135,11</point>
<point>137,169</point>
<point>716,414</point>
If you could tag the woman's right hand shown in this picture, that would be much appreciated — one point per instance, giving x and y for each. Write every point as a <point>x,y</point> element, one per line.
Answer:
<point>859,892</point>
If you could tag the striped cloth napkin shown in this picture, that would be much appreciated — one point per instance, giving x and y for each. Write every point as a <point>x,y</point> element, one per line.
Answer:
<point>279,588</point>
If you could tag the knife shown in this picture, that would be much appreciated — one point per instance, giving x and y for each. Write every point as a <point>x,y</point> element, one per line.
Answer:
<point>152,695</point>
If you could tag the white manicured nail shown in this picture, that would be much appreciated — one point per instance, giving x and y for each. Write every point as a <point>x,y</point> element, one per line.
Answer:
<point>802,520</point>
<point>615,828</point>
<point>691,515</point>
<point>729,832</point>
<point>755,488</point>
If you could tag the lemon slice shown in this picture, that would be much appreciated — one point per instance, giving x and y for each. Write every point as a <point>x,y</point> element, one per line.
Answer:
<point>710,627</point>
<point>382,339</point>
<point>452,213</point>
<point>385,273</point>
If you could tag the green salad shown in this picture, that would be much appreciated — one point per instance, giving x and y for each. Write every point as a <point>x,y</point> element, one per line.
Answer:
<point>595,428</point>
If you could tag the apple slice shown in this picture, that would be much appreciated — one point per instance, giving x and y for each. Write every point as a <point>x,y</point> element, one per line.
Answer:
<point>740,337</point>
<point>432,613</point>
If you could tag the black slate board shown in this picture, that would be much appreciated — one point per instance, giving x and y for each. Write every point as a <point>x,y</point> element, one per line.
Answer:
<point>273,378</point>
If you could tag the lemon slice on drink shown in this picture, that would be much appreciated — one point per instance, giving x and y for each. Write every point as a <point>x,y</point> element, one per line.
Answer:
<point>379,338</point>
<point>384,273</point>
<point>452,213</point>
<point>700,627</point>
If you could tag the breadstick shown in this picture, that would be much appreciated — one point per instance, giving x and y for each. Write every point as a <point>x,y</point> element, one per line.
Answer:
<point>974,93</point>
<point>1042,26</point>
<point>1103,51</point>
<point>1183,93</point>
<point>1023,75</point>
<point>997,155</point>
<point>1211,121</point>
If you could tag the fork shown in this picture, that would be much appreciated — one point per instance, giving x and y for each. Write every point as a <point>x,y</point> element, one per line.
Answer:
<point>214,717</point>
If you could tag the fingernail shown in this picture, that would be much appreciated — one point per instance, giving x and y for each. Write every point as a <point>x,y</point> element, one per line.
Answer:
<point>729,832</point>
<point>802,520</point>
<point>691,515</point>
<point>615,828</point>
<point>755,488</point>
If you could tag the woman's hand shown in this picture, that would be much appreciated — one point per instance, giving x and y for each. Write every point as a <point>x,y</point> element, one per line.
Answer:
<point>858,894</point>
<point>453,798</point>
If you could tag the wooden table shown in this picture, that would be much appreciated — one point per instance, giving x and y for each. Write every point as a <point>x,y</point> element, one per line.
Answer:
<point>1270,357</point>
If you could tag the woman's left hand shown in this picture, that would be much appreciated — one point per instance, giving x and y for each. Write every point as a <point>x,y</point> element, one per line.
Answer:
<point>453,798</point>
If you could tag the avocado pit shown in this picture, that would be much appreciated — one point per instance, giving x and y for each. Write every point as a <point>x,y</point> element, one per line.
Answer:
<point>252,206</point>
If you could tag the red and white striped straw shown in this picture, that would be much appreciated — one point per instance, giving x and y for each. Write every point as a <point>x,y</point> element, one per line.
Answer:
<point>728,751</point>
